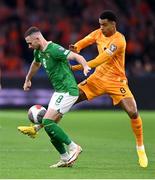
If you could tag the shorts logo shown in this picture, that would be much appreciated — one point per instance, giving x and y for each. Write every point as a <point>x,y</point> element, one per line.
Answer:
<point>113,48</point>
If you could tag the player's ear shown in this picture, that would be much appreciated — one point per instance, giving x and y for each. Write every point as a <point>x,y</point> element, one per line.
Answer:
<point>113,23</point>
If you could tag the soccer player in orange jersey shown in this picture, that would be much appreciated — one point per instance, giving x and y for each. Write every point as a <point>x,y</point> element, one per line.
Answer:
<point>109,76</point>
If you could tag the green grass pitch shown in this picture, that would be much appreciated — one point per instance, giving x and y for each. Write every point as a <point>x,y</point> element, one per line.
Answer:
<point>105,136</point>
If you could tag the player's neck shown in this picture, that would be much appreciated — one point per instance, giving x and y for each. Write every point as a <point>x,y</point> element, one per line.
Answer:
<point>111,33</point>
<point>44,44</point>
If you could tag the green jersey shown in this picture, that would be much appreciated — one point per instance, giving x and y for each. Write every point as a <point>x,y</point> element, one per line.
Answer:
<point>54,60</point>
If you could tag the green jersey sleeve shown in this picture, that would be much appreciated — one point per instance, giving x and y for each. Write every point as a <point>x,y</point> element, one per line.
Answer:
<point>36,57</point>
<point>60,52</point>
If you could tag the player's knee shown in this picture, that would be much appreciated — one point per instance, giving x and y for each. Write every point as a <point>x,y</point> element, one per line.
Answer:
<point>58,118</point>
<point>133,114</point>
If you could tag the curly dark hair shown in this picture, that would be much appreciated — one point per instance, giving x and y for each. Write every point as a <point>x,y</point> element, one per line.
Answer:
<point>108,14</point>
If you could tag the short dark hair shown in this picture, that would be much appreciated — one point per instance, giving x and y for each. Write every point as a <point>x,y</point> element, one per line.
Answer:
<point>31,30</point>
<point>108,14</point>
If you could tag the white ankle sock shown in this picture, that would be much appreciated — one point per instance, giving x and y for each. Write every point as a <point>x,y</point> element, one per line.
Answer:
<point>72,145</point>
<point>64,156</point>
<point>37,127</point>
<point>140,147</point>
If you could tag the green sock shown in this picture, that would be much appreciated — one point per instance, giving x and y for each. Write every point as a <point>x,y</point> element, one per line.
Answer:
<point>54,131</point>
<point>59,146</point>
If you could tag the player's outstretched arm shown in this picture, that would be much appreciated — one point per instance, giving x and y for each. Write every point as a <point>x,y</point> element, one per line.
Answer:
<point>32,71</point>
<point>86,41</point>
<point>94,62</point>
<point>81,60</point>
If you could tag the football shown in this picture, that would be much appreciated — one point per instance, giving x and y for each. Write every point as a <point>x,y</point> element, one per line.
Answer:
<point>36,113</point>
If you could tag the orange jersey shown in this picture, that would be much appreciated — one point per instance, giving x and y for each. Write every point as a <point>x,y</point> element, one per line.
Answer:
<point>110,63</point>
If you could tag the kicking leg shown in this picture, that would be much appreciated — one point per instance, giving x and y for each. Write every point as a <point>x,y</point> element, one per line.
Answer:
<point>31,131</point>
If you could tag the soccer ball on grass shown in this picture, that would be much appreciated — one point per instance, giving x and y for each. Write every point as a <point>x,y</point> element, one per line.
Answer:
<point>36,114</point>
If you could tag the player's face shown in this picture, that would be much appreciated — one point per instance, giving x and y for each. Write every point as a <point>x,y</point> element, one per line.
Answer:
<point>107,27</point>
<point>33,42</point>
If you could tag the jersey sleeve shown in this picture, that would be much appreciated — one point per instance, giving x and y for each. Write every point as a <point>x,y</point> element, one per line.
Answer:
<point>36,58</point>
<point>116,45</point>
<point>88,40</point>
<point>61,53</point>
<point>101,58</point>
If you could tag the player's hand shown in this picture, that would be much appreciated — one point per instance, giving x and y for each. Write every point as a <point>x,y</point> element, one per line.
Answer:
<point>73,48</point>
<point>27,85</point>
<point>86,70</point>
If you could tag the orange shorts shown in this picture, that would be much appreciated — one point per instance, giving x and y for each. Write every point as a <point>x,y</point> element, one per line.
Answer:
<point>94,86</point>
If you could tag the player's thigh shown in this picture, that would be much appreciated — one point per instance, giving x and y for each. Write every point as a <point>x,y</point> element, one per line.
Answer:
<point>91,87</point>
<point>119,91</point>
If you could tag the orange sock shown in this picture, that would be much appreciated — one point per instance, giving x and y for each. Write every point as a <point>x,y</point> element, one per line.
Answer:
<point>138,130</point>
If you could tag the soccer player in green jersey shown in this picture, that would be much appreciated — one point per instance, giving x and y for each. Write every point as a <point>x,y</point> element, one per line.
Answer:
<point>55,58</point>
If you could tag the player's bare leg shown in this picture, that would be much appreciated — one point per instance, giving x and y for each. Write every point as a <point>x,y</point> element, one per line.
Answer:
<point>82,97</point>
<point>129,105</point>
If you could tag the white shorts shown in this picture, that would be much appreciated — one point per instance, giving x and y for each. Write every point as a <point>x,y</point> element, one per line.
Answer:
<point>62,102</point>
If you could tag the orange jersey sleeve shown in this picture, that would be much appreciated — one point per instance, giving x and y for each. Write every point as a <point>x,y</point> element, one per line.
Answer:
<point>103,57</point>
<point>88,40</point>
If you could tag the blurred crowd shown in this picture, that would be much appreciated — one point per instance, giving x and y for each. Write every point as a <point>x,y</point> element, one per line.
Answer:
<point>65,22</point>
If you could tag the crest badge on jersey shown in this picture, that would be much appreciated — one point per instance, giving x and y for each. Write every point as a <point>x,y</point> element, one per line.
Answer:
<point>48,55</point>
<point>113,48</point>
